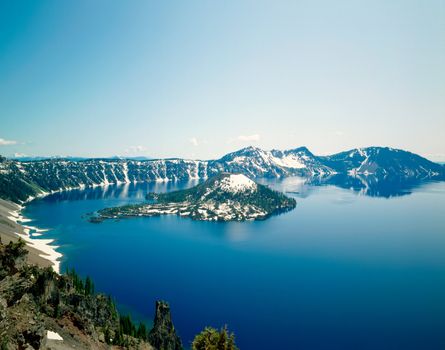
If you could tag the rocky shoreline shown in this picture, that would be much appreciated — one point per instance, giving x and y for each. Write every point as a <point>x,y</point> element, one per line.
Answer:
<point>13,226</point>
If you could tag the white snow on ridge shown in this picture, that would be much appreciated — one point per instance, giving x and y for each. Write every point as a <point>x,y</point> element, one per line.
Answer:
<point>289,161</point>
<point>237,160</point>
<point>268,159</point>
<point>362,152</point>
<point>237,183</point>
<point>125,171</point>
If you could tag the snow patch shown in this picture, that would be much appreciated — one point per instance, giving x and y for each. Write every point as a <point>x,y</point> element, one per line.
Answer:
<point>53,335</point>
<point>237,183</point>
<point>289,161</point>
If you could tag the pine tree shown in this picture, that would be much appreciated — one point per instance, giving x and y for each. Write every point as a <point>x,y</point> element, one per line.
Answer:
<point>142,331</point>
<point>212,339</point>
<point>89,286</point>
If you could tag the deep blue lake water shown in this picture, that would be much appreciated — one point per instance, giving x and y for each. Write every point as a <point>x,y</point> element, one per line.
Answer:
<point>344,270</point>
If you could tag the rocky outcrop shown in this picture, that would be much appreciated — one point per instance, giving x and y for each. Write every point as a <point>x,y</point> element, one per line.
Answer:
<point>163,335</point>
<point>40,309</point>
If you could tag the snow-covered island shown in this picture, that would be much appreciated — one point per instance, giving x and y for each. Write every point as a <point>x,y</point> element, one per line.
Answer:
<point>224,197</point>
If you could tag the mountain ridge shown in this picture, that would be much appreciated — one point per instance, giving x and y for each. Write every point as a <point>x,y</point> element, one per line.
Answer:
<point>21,181</point>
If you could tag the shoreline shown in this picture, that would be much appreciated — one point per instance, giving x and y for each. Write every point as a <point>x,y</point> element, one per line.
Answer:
<point>13,225</point>
<point>40,251</point>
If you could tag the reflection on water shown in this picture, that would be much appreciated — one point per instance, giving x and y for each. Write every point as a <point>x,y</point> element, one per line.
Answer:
<point>373,186</point>
<point>121,191</point>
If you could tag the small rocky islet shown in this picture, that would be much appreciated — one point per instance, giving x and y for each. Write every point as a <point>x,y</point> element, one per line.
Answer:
<point>224,197</point>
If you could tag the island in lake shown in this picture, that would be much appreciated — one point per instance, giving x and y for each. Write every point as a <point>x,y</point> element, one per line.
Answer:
<point>224,197</point>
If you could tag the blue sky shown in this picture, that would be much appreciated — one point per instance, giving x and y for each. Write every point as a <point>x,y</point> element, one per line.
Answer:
<point>201,78</point>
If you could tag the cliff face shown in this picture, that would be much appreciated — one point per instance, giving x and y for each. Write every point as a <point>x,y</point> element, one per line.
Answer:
<point>40,309</point>
<point>21,180</point>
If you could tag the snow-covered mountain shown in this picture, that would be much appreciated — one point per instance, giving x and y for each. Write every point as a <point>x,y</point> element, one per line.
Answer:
<point>224,197</point>
<point>381,161</point>
<point>256,162</point>
<point>20,180</point>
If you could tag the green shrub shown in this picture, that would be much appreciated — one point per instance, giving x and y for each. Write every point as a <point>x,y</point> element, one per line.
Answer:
<point>212,339</point>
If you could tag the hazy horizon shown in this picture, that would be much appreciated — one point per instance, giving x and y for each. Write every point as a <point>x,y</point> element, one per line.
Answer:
<point>201,79</point>
<point>148,157</point>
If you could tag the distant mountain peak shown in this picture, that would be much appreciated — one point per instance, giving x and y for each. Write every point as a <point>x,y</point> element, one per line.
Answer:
<point>251,148</point>
<point>248,150</point>
<point>301,149</point>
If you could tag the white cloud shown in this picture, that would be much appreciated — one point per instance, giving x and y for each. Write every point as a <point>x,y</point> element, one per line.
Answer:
<point>338,133</point>
<point>194,141</point>
<point>135,149</point>
<point>249,138</point>
<point>20,155</point>
<point>4,142</point>
<point>435,157</point>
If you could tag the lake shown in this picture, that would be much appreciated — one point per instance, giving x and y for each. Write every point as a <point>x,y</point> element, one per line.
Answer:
<point>354,266</point>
